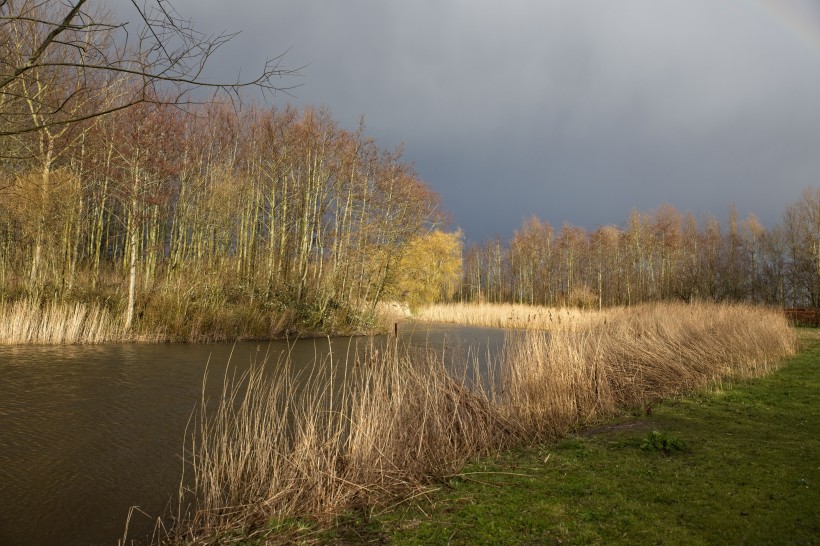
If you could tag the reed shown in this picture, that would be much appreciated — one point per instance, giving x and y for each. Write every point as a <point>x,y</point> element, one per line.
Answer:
<point>278,450</point>
<point>278,447</point>
<point>518,316</point>
<point>30,322</point>
<point>559,380</point>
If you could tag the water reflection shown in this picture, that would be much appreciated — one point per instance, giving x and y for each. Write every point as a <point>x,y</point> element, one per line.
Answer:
<point>88,431</point>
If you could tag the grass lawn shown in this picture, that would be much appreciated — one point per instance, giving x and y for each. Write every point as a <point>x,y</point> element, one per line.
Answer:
<point>737,465</point>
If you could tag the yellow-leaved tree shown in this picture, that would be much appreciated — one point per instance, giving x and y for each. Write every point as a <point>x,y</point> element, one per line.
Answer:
<point>430,270</point>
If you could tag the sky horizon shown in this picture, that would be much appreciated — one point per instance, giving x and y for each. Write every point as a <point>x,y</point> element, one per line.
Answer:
<point>572,111</point>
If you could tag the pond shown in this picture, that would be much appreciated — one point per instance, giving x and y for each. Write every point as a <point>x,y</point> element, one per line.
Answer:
<point>86,432</point>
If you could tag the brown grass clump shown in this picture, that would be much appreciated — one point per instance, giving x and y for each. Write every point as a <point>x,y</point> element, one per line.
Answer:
<point>277,451</point>
<point>28,322</point>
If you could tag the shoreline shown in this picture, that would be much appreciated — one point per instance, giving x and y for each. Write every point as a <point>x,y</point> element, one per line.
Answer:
<point>375,451</point>
<point>609,483</point>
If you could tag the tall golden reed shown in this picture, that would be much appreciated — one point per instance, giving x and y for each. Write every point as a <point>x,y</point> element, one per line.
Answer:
<point>559,380</point>
<point>511,315</point>
<point>28,322</point>
<point>277,448</point>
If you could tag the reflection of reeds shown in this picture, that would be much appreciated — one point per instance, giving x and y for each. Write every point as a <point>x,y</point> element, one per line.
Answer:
<point>276,449</point>
<point>29,322</point>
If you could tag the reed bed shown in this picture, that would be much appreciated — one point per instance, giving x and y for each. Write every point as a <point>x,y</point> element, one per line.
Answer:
<point>280,451</point>
<point>29,322</point>
<point>507,315</point>
<point>559,380</point>
<point>280,447</point>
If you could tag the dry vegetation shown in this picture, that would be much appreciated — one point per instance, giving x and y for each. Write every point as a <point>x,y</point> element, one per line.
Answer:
<point>556,381</point>
<point>28,322</point>
<point>277,457</point>
<point>512,315</point>
<point>281,447</point>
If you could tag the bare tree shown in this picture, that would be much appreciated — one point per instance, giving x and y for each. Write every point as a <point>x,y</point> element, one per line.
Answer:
<point>111,66</point>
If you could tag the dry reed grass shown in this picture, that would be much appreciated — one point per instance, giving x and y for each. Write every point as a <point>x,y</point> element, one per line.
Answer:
<point>277,449</point>
<point>345,437</point>
<point>517,316</point>
<point>559,380</point>
<point>28,322</point>
<point>390,312</point>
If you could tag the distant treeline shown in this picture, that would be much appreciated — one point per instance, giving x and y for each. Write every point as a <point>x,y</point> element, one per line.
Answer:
<point>663,255</point>
<point>265,220</point>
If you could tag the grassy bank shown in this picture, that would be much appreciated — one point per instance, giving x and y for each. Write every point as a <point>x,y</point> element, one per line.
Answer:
<point>279,459</point>
<point>735,465</point>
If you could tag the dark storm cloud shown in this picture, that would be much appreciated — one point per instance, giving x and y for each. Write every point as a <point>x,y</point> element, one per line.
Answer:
<point>575,111</point>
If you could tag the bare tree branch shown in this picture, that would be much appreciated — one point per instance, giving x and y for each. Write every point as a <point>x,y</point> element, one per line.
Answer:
<point>43,43</point>
<point>59,29</point>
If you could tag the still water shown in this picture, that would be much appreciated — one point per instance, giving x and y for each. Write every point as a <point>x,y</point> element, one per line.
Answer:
<point>86,432</point>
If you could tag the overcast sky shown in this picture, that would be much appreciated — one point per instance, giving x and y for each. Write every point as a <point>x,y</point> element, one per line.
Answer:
<point>575,110</point>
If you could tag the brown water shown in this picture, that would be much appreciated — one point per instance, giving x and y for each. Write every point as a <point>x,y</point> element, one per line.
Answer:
<point>86,432</point>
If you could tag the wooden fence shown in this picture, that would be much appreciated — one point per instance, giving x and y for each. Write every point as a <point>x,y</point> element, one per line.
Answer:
<point>802,316</point>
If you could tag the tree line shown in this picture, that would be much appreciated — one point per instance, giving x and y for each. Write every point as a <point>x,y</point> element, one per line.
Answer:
<point>281,207</point>
<point>661,255</point>
<point>118,186</point>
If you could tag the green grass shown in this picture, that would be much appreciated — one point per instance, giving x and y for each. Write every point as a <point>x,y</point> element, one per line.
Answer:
<point>737,465</point>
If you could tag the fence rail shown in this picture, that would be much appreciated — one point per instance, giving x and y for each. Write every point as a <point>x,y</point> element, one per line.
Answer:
<point>803,316</point>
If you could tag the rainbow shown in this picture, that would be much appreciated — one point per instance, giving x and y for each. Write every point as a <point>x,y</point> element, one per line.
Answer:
<point>800,18</point>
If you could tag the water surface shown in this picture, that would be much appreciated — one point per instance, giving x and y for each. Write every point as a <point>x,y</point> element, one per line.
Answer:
<point>86,432</point>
